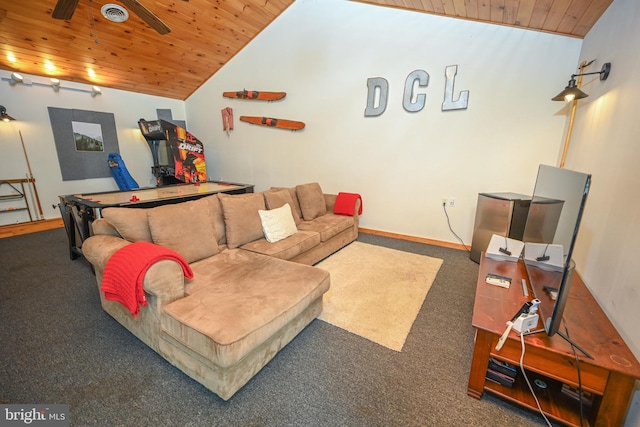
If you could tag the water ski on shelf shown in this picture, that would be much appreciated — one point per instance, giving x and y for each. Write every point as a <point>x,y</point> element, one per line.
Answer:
<point>274,123</point>
<point>254,94</point>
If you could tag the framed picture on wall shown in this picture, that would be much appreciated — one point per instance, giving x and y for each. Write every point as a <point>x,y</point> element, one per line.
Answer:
<point>83,141</point>
<point>88,136</point>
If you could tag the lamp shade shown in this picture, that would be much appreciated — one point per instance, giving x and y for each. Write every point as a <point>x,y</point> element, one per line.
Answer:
<point>4,116</point>
<point>570,93</point>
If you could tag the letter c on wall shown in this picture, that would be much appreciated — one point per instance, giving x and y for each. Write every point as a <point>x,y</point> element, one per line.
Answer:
<point>423,81</point>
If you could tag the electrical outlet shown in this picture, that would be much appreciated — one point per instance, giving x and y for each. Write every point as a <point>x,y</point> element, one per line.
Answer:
<point>452,202</point>
<point>445,201</point>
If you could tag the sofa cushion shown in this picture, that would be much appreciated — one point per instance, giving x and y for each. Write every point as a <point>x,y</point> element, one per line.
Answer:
<point>218,218</point>
<point>278,223</point>
<point>288,248</point>
<point>294,196</point>
<point>131,223</point>
<point>186,227</point>
<point>311,200</point>
<point>241,299</point>
<point>276,198</point>
<point>242,222</point>
<point>328,225</point>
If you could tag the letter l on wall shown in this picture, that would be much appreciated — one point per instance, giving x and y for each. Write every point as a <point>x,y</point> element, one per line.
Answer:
<point>448,103</point>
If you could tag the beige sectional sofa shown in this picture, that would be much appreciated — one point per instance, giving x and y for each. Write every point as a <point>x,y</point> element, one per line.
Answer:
<point>253,288</point>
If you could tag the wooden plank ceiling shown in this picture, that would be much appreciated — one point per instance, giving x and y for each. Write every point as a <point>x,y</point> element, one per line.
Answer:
<point>567,17</point>
<point>206,34</point>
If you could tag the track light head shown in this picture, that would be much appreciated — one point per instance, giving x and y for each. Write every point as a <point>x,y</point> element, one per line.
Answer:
<point>55,84</point>
<point>16,78</point>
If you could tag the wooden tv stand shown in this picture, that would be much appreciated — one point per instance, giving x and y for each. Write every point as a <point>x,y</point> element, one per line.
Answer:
<point>609,376</point>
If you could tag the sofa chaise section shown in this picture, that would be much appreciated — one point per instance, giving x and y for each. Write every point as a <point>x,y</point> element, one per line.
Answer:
<point>235,320</point>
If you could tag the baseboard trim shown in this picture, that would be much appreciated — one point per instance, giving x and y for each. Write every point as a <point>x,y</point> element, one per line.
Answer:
<point>10,230</point>
<point>413,238</point>
<point>49,224</point>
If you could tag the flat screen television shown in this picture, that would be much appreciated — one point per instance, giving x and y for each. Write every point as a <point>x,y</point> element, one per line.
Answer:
<point>550,233</point>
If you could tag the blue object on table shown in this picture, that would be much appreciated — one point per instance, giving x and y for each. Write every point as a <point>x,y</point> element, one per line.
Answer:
<point>120,173</point>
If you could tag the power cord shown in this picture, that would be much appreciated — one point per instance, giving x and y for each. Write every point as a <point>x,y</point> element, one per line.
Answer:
<point>444,207</point>
<point>575,355</point>
<point>528,383</point>
<point>580,391</point>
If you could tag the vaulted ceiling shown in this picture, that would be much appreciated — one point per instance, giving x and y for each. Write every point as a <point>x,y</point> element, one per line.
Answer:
<point>206,34</point>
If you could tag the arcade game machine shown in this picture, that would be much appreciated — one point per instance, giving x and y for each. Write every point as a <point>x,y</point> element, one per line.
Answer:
<point>178,156</point>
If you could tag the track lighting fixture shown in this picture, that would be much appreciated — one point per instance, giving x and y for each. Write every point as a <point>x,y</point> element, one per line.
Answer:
<point>14,78</point>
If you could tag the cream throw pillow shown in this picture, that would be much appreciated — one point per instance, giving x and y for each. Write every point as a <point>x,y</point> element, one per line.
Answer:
<point>278,198</point>
<point>277,224</point>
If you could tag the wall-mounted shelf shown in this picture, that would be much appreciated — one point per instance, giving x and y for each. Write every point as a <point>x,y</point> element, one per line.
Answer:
<point>15,195</point>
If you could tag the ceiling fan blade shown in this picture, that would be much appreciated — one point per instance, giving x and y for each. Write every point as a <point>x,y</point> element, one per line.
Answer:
<point>147,16</point>
<point>64,9</point>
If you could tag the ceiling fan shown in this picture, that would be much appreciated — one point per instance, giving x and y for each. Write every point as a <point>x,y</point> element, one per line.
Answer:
<point>65,8</point>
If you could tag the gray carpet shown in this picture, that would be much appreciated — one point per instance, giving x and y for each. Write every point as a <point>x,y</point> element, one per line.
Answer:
<point>58,346</point>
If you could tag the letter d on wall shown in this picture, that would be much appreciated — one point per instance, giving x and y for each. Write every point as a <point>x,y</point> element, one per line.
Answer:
<point>379,86</point>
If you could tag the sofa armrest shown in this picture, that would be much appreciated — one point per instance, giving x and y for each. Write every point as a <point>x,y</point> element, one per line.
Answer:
<point>164,279</point>
<point>102,226</point>
<point>98,249</point>
<point>330,201</point>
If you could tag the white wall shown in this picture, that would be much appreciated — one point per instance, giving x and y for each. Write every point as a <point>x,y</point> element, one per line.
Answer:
<point>28,105</point>
<point>605,144</point>
<point>403,164</point>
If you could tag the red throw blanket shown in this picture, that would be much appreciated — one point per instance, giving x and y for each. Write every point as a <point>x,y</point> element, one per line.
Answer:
<point>124,273</point>
<point>346,204</point>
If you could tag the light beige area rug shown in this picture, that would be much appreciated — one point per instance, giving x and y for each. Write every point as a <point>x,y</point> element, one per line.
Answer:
<point>377,292</point>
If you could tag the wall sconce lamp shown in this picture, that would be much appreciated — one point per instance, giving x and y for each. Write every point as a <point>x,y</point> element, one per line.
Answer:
<point>572,92</point>
<point>4,116</point>
<point>95,90</point>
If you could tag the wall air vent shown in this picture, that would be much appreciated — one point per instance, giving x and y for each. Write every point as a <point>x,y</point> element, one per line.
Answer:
<point>114,13</point>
